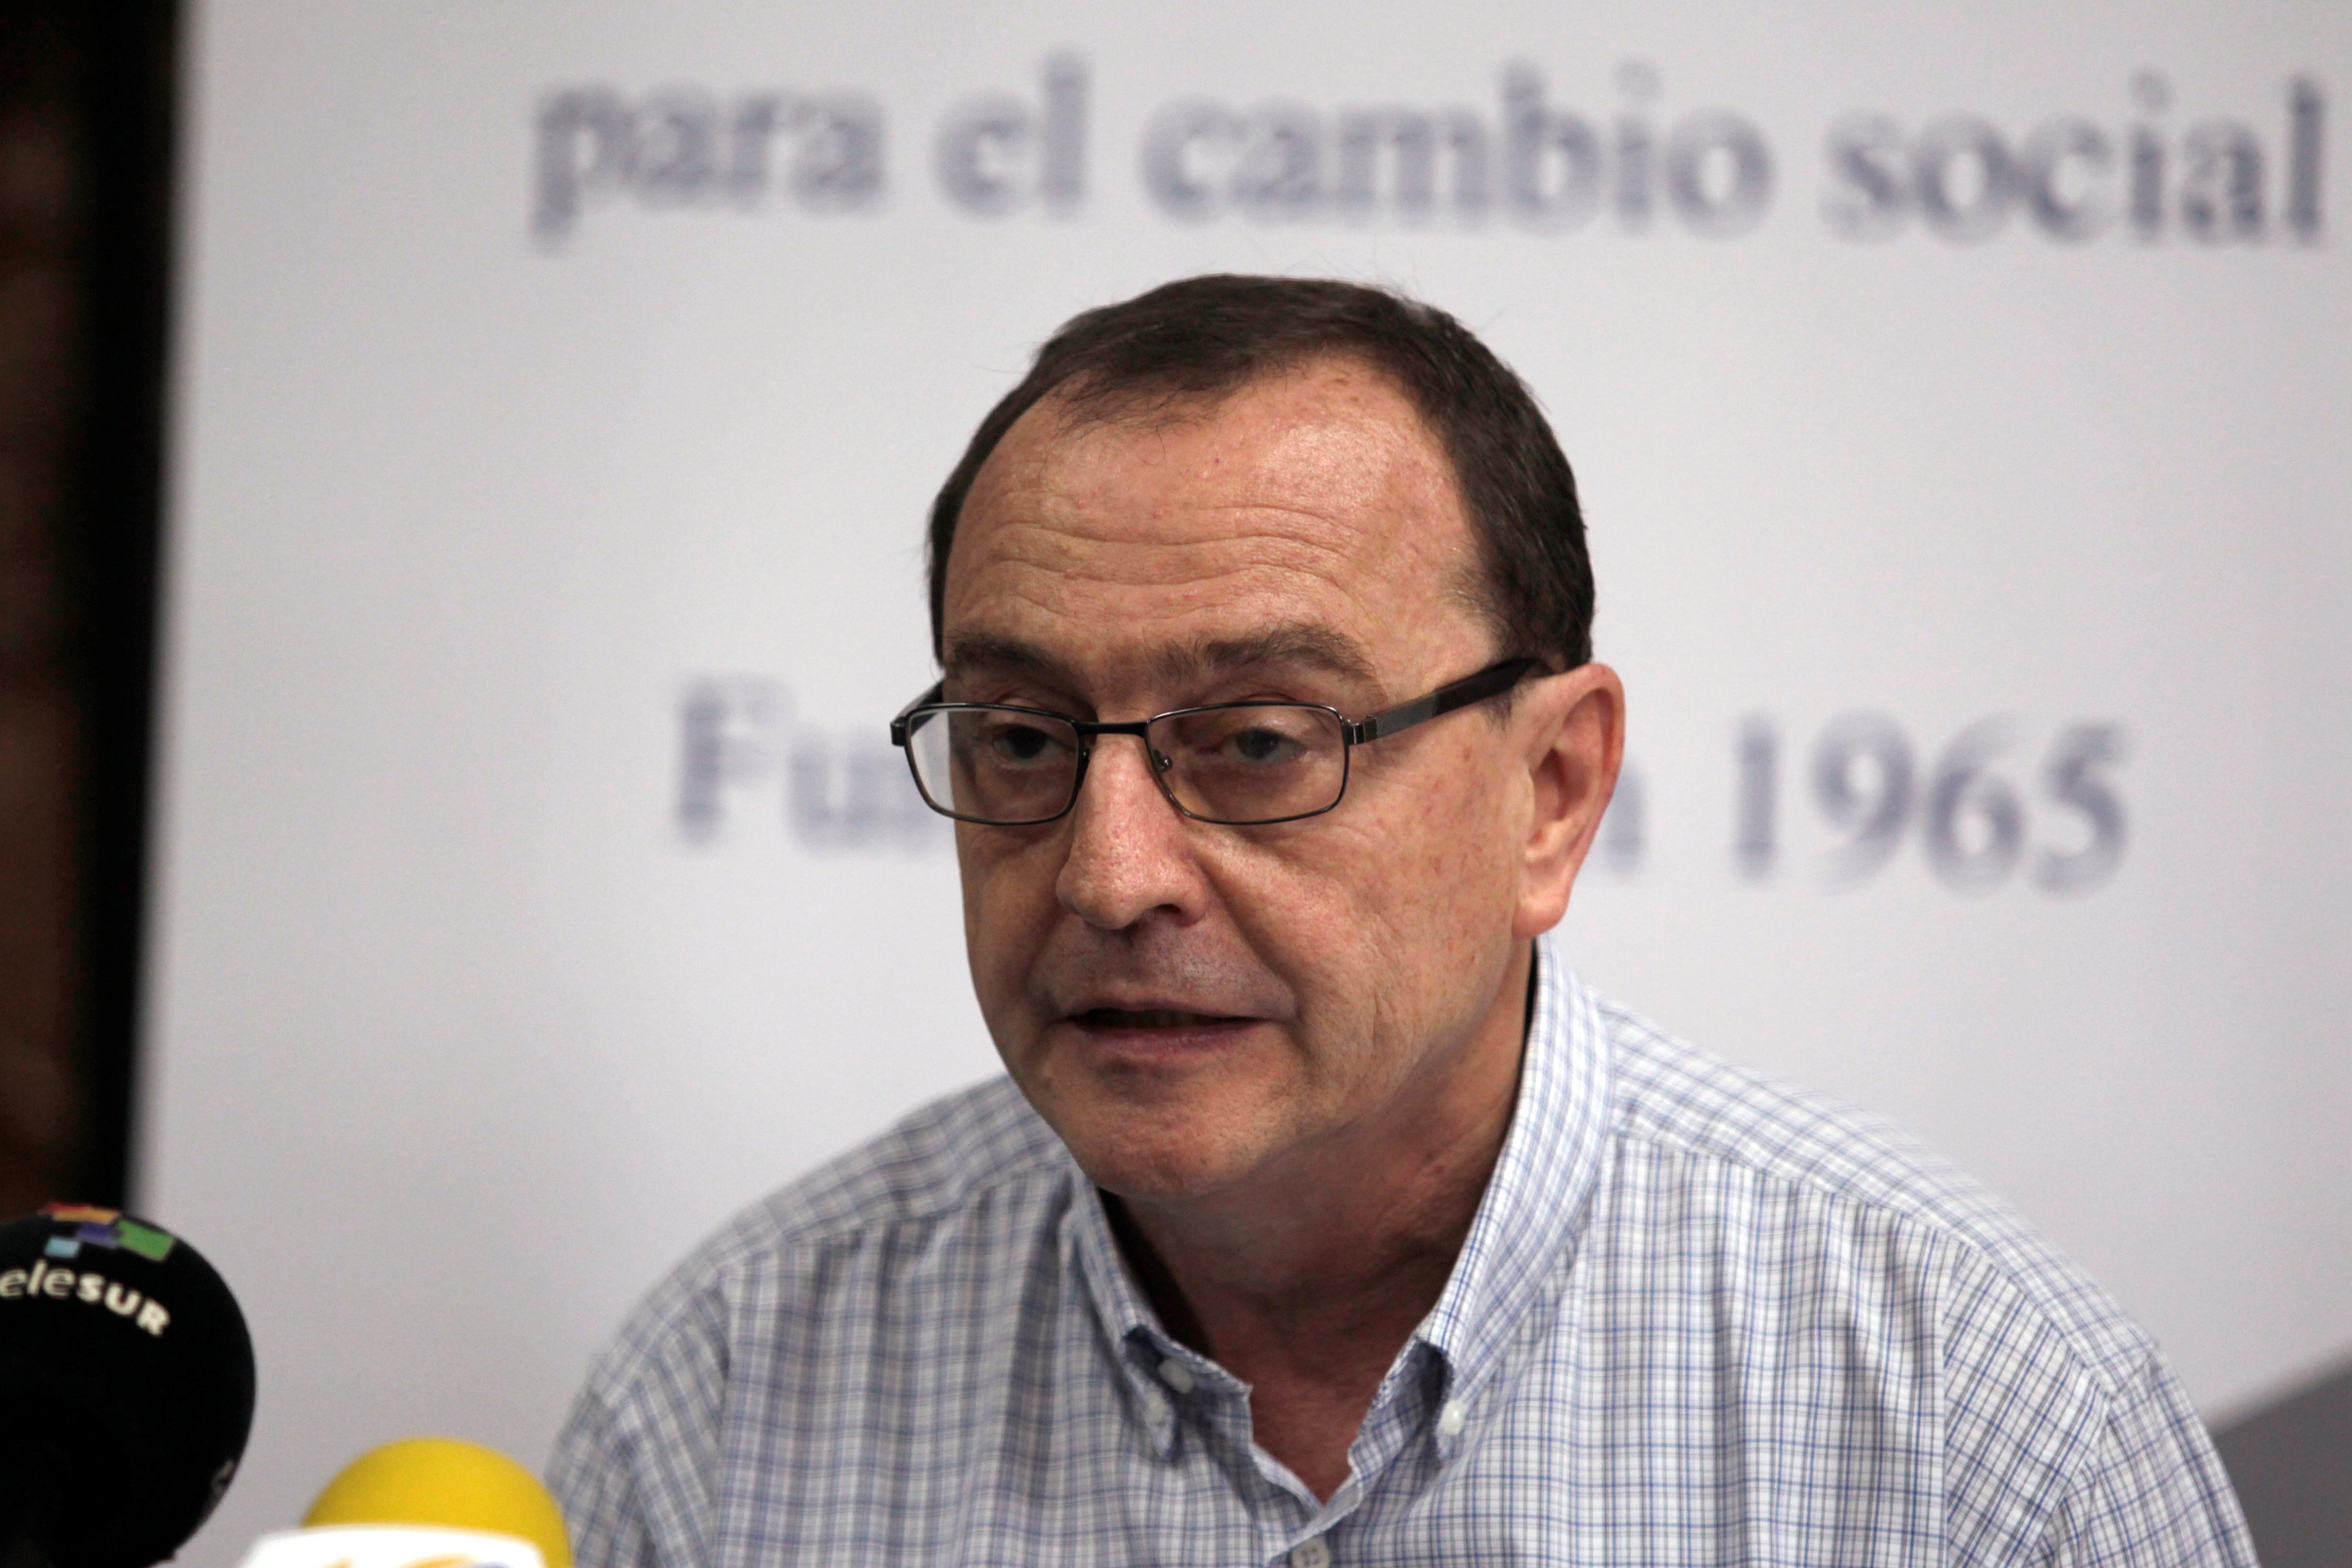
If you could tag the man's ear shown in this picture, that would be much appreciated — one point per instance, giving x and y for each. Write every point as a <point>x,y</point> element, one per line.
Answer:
<point>1575,742</point>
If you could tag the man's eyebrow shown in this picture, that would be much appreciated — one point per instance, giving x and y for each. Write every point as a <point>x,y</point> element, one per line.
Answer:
<point>996,651</point>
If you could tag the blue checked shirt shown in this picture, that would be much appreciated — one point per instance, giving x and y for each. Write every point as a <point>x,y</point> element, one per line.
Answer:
<point>1699,1318</point>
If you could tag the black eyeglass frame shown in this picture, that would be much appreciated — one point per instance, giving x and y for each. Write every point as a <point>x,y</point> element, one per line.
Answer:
<point>1491,681</point>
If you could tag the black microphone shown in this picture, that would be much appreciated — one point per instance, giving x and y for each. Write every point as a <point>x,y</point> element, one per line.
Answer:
<point>126,1390</point>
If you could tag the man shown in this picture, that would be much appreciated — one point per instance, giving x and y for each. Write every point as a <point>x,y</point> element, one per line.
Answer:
<point>1325,1216</point>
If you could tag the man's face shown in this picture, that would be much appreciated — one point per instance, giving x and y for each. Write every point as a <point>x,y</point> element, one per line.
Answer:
<point>1195,1007</point>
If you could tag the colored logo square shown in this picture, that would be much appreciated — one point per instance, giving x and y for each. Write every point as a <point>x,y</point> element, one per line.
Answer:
<point>147,1242</point>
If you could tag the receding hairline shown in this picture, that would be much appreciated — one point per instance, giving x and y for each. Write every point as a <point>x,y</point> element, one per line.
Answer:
<point>1082,403</point>
<point>1097,397</point>
<point>1085,403</point>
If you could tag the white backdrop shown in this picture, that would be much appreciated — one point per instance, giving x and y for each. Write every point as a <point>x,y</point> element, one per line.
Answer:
<point>1959,394</point>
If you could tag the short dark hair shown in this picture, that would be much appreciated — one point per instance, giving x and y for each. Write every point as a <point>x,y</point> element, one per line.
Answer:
<point>1202,338</point>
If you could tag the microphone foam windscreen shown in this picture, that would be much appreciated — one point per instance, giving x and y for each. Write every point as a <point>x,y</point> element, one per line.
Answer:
<point>443,1481</point>
<point>126,1379</point>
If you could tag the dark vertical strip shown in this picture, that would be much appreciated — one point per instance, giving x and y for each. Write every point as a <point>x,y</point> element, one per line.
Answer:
<point>127,96</point>
<point>1756,824</point>
<point>2307,109</point>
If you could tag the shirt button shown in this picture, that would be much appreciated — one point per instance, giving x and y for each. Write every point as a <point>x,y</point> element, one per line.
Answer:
<point>1177,1375</point>
<point>1312,1554</point>
<point>1451,1419</point>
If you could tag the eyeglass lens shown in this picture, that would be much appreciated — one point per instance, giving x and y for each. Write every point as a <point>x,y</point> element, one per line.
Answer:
<point>1243,763</point>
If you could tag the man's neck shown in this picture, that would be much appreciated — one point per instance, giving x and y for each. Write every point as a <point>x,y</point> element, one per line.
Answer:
<point>1307,1292</point>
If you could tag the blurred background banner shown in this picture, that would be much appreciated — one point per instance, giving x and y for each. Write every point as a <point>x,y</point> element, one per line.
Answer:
<point>1958,396</point>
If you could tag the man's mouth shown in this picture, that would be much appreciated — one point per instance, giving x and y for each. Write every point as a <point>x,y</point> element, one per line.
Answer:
<point>1150,1019</point>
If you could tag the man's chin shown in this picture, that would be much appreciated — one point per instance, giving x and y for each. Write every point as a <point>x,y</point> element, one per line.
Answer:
<point>1161,1155</point>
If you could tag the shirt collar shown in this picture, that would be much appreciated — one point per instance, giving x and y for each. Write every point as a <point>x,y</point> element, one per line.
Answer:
<point>1133,1328</point>
<point>1533,1204</point>
<point>1535,1201</point>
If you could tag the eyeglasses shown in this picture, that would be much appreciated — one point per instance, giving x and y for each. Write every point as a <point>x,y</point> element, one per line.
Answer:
<point>1234,764</point>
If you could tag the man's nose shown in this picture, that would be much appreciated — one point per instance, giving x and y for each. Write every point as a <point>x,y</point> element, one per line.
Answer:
<point>1131,850</point>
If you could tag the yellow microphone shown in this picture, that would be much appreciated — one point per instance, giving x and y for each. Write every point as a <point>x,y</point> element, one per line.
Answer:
<point>426,1502</point>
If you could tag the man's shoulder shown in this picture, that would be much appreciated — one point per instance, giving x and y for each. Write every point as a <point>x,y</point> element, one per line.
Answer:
<point>935,1164</point>
<point>932,1163</point>
<point>1671,1094</point>
<point>1675,1102</point>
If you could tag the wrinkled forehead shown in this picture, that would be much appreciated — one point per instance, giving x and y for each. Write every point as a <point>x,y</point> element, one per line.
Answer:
<point>1315,497</point>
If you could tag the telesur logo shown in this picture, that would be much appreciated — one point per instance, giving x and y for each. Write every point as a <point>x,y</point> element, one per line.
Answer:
<point>102,1230</point>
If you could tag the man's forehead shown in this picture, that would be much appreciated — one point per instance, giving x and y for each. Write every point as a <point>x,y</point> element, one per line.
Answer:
<point>1307,519</point>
